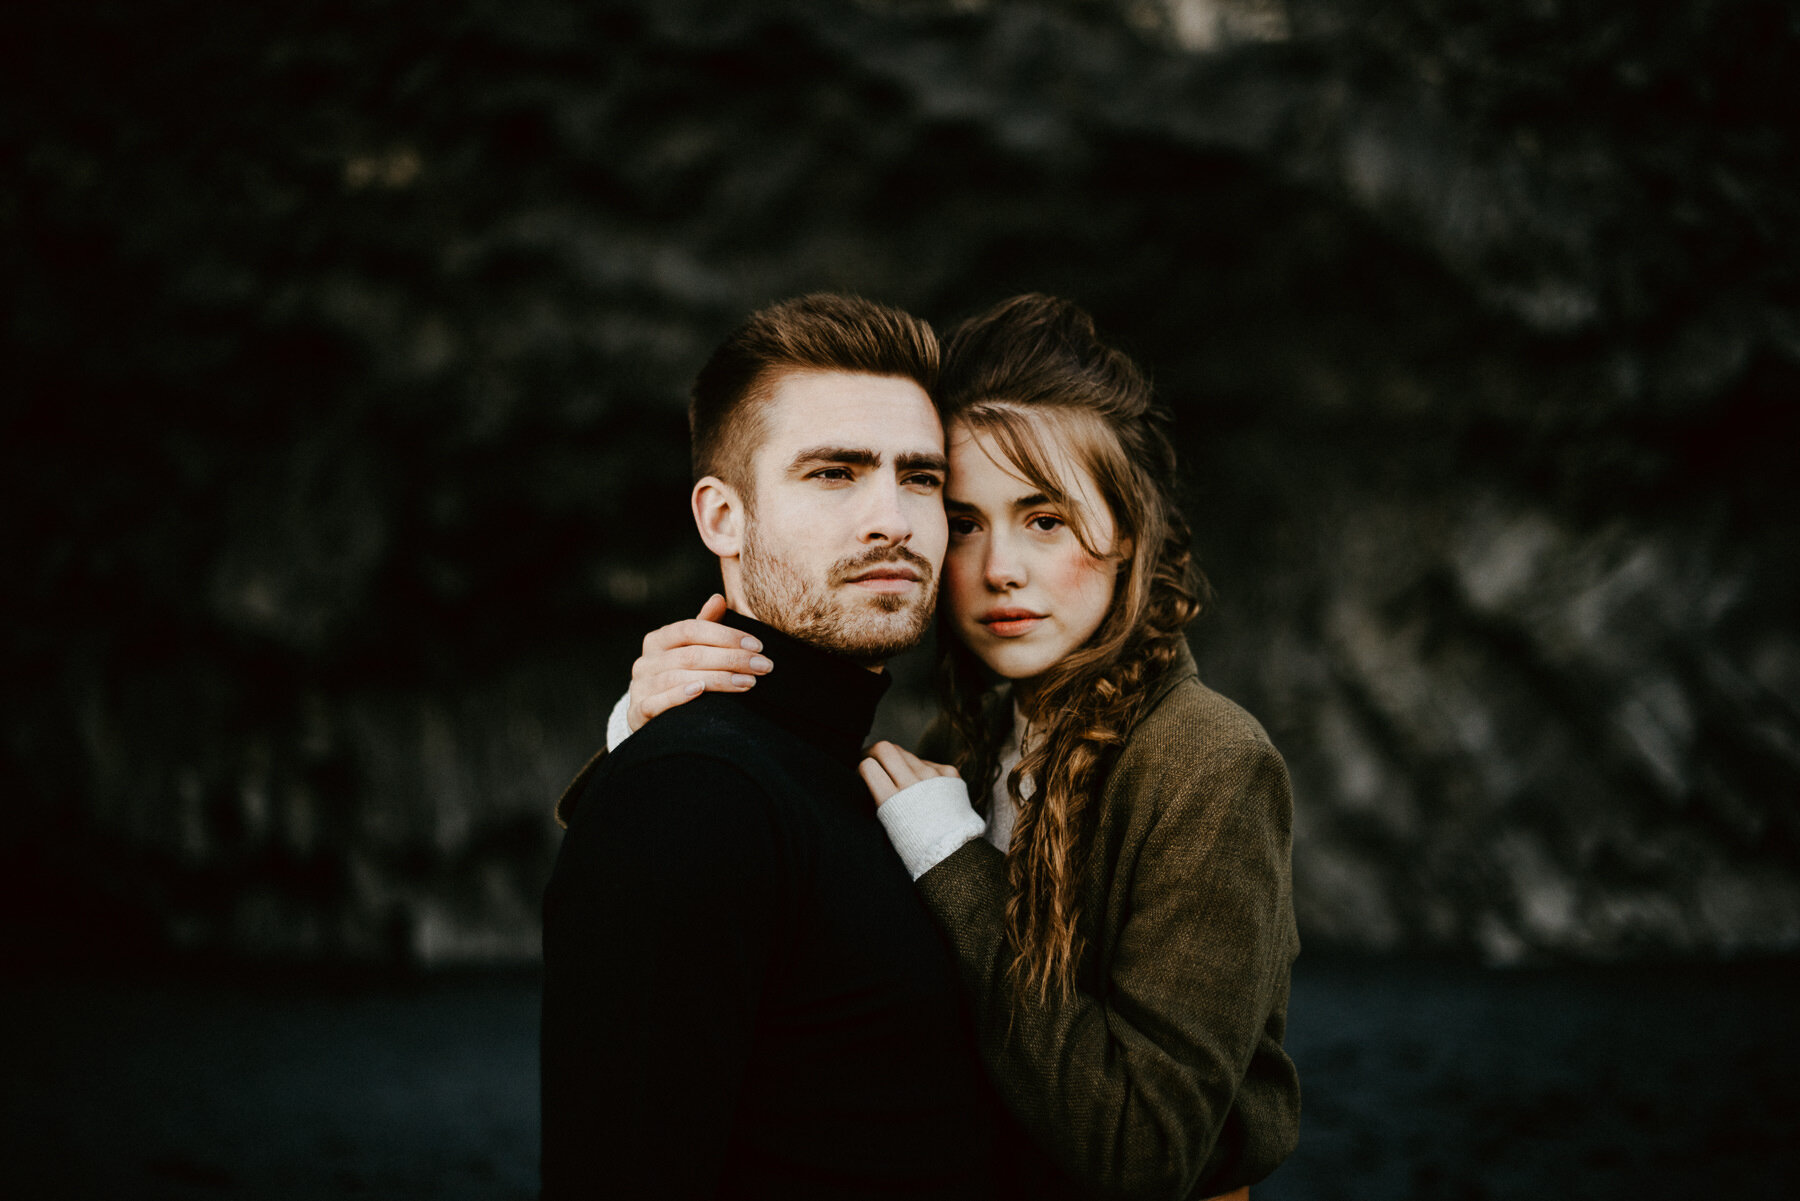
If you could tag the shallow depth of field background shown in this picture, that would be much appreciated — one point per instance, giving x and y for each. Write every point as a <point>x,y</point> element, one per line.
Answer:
<point>341,407</point>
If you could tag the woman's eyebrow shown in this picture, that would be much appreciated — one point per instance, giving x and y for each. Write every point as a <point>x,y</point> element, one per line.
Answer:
<point>951,504</point>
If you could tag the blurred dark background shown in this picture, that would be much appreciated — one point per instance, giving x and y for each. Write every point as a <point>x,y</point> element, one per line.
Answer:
<point>344,367</point>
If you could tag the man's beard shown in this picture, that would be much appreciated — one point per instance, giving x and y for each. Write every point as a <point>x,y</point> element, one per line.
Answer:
<point>867,627</point>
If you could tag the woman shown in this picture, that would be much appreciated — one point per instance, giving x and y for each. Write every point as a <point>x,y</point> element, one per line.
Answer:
<point>1117,891</point>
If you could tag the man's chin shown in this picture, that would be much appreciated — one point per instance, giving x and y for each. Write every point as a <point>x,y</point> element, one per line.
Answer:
<point>895,624</point>
<point>892,602</point>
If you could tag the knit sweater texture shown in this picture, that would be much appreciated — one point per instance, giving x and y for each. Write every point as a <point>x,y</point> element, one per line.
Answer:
<point>744,994</point>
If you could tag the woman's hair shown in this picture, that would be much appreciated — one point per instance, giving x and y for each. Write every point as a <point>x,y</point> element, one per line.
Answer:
<point>1032,375</point>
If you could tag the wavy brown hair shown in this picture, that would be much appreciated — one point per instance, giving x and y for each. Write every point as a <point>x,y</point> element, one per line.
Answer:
<point>1033,375</point>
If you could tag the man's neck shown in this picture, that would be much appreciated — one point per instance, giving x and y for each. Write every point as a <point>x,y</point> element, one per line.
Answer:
<point>878,666</point>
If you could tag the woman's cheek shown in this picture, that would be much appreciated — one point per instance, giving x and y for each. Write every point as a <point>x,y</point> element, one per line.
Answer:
<point>1085,584</point>
<point>958,573</point>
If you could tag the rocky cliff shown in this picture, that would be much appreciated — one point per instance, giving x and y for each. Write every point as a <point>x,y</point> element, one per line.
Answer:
<point>345,461</point>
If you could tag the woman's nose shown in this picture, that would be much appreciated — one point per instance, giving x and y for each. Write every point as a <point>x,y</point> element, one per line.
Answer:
<point>1004,568</point>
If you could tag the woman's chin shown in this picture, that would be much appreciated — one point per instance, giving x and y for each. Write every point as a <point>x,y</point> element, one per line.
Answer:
<point>1013,662</point>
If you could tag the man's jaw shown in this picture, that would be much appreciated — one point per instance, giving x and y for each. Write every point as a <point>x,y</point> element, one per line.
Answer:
<point>870,607</point>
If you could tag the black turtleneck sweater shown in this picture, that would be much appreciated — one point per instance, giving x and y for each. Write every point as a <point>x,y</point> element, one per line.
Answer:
<point>743,993</point>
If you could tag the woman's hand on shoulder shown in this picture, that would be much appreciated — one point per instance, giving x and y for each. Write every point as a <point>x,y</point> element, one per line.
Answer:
<point>686,658</point>
<point>888,769</point>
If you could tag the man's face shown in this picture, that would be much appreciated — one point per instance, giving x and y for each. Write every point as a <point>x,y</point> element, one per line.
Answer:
<point>844,533</point>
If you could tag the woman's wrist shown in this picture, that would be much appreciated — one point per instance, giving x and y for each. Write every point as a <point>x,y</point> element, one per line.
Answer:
<point>928,821</point>
<point>618,722</point>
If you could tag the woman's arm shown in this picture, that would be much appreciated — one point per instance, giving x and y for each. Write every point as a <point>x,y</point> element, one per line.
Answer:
<point>1133,1083</point>
<point>685,658</point>
<point>679,661</point>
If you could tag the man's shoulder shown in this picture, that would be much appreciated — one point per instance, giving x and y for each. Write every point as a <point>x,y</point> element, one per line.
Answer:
<point>705,744</point>
<point>712,728</point>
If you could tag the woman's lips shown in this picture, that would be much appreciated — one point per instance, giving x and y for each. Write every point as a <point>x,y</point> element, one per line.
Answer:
<point>1010,623</point>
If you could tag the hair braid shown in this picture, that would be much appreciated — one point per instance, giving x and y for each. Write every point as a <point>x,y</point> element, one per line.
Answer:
<point>1033,375</point>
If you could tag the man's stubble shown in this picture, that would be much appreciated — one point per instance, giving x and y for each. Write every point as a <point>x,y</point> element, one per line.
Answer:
<point>869,628</point>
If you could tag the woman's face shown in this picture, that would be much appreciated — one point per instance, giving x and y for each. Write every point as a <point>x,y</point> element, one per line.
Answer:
<point>1022,591</point>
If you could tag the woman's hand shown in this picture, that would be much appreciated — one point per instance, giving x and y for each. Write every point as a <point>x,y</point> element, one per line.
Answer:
<point>888,768</point>
<point>682,660</point>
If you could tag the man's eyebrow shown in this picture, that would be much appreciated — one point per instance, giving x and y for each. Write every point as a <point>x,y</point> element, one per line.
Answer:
<point>921,461</point>
<point>850,456</point>
<point>862,456</point>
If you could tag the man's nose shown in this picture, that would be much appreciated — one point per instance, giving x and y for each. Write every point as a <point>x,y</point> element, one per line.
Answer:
<point>885,519</point>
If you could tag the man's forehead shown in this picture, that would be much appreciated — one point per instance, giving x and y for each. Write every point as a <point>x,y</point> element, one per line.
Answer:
<point>851,409</point>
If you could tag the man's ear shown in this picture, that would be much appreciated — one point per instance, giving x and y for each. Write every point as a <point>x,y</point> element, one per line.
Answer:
<point>719,515</point>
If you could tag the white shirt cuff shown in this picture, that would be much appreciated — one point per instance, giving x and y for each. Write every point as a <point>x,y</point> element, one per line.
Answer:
<point>618,726</point>
<point>928,821</point>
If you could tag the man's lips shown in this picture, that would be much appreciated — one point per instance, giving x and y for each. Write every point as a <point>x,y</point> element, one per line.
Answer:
<point>887,578</point>
<point>1010,623</point>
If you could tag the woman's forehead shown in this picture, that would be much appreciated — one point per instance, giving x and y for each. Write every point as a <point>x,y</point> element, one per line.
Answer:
<point>982,472</point>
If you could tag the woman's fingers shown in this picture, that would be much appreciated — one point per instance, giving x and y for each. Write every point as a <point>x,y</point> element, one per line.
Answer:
<point>713,609</point>
<point>654,670</point>
<point>661,702</point>
<point>692,631</point>
<point>682,660</point>
<point>903,767</point>
<point>702,630</point>
<point>663,699</point>
<point>881,785</point>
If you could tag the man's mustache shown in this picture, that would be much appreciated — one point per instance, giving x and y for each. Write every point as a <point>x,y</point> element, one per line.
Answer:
<point>845,569</point>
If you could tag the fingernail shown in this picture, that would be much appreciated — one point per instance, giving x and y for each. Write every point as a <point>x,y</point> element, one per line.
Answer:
<point>696,688</point>
<point>761,664</point>
<point>750,644</point>
<point>743,681</point>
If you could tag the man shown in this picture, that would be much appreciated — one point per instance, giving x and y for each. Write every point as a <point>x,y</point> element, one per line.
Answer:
<point>744,995</point>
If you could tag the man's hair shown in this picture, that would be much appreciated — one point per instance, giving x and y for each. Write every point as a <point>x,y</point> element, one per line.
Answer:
<point>817,332</point>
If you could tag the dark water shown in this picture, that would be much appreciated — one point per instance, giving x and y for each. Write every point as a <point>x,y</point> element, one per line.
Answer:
<point>1422,1080</point>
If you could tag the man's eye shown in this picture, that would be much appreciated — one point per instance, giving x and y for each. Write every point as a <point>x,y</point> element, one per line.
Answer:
<point>961,526</point>
<point>832,473</point>
<point>1045,523</point>
<point>925,479</point>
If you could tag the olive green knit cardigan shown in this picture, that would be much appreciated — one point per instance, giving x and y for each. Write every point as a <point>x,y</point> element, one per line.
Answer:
<point>1164,1074</point>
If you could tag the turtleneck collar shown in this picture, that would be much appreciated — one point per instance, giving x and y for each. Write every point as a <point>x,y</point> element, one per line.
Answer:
<point>816,695</point>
